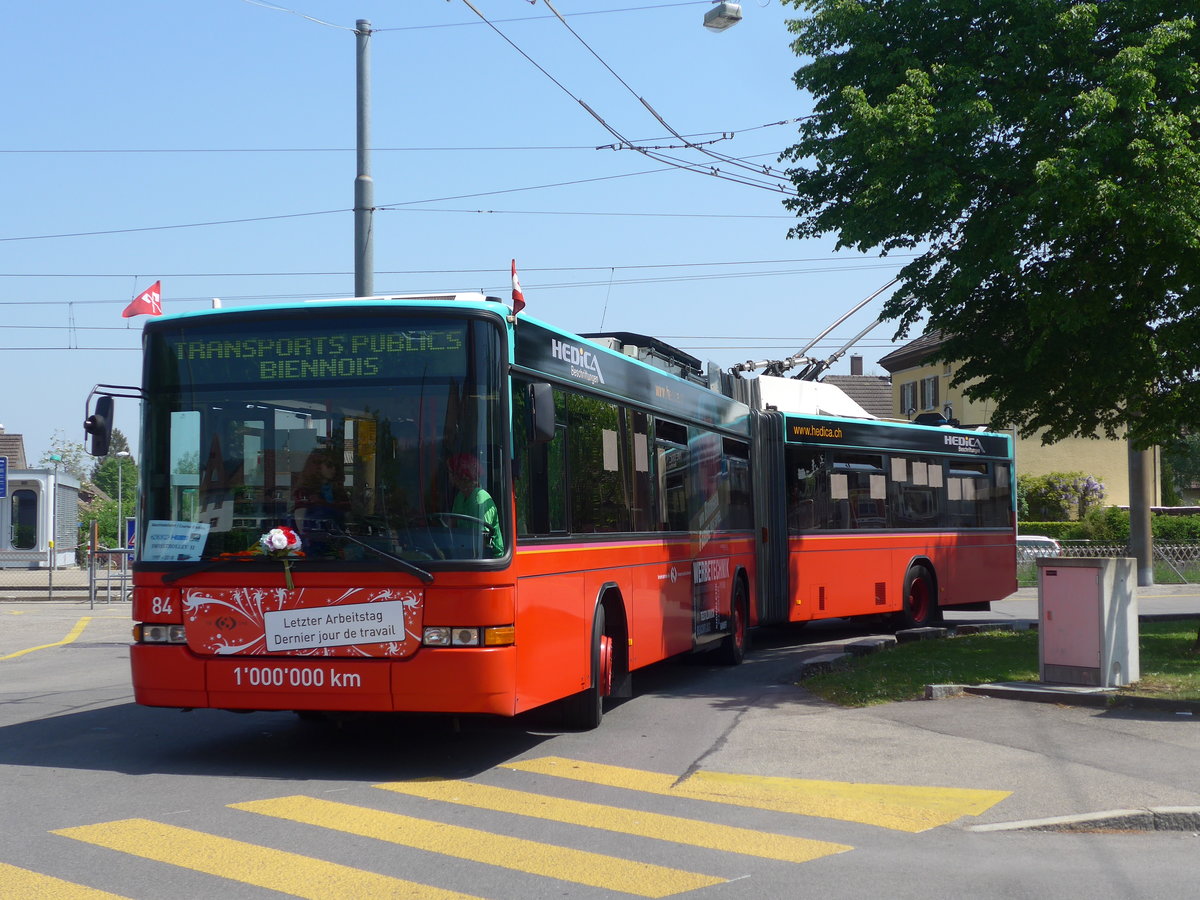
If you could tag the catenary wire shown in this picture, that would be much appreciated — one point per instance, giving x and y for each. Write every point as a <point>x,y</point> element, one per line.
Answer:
<point>687,144</point>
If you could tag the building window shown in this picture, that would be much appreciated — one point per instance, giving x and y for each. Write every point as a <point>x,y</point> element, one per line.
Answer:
<point>908,397</point>
<point>929,392</point>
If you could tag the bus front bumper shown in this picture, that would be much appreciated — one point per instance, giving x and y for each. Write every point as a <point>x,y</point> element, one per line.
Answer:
<point>437,680</point>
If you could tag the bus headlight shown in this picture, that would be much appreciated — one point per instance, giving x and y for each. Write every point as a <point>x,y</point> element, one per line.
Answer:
<point>462,636</point>
<point>159,634</point>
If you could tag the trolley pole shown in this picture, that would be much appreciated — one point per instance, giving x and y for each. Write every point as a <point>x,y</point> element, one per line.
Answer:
<point>364,187</point>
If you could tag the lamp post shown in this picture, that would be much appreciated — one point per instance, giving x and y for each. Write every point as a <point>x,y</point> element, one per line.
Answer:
<point>121,456</point>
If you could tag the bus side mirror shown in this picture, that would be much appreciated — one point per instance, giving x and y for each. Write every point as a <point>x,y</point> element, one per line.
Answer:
<point>99,424</point>
<point>541,413</point>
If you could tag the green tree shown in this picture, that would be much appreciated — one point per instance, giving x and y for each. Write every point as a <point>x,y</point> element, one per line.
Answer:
<point>74,456</point>
<point>1043,159</point>
<point>113,473</point>
<point>1180,467</point>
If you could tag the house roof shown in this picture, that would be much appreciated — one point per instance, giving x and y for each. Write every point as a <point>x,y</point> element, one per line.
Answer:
<point>872,392</point>
<point>13,446</point>
<point>914,353</point>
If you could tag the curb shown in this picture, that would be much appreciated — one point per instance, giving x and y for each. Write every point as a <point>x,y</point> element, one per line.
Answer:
<point>1097,698</point>
<point>1159,818</point>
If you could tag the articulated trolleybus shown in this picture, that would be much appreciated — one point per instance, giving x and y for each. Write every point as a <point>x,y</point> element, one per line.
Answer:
<point>430,504</point>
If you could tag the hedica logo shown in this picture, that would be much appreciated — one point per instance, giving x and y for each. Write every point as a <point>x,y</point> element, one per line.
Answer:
<point>584,364</point>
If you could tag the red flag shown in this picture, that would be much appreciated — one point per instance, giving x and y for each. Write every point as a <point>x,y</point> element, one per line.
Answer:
<point>147,303</point>
<point>518,298</point>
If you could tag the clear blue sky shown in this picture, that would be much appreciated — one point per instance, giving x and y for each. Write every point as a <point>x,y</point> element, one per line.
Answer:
<point>129,125</point>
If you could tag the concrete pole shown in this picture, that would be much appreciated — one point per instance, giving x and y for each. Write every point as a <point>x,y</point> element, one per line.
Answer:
<point>364,187</point>
<point>1141,541</point>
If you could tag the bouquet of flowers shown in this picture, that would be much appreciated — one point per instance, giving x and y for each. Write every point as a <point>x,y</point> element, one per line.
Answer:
<point>283,544</point>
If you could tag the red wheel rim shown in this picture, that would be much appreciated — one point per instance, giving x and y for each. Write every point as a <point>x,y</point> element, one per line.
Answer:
<point>605,665</point>
<point>918,599</point>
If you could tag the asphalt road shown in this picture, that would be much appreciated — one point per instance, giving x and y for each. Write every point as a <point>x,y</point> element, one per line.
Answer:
<point>710,782</point>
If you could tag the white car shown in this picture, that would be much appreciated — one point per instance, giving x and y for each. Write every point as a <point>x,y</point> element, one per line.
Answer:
<point>1031,546</point>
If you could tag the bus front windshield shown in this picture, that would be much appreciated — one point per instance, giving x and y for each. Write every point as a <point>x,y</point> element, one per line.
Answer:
<point>366,434</point>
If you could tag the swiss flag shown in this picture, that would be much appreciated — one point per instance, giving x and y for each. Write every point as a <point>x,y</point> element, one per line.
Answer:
<point>147,303</point>
<point>517,297</point>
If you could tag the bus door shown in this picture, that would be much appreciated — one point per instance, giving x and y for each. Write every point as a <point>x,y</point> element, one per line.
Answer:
<point>711,583</point>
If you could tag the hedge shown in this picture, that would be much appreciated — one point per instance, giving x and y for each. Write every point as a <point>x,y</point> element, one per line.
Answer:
<point>1112,524</point>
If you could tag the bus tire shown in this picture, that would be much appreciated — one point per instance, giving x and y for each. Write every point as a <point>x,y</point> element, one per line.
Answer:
<point>583,711</point>
<point>732,650</point>
<point>920,600</point>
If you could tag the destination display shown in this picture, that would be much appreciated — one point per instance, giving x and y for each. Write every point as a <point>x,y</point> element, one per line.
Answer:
<point>870,435</point>
<point>325,349</point>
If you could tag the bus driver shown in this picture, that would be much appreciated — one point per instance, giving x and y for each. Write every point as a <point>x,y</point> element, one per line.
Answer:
<point>474,503</point>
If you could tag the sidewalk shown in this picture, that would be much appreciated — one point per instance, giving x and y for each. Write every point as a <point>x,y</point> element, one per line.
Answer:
<point>1068,766</point>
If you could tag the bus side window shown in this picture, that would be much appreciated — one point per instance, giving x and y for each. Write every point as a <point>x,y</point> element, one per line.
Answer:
<point>671,464</point>
<point>735,489</point>
<point>598,497</point>
<point>807,490</point>
<point>636,447</point>
<point>539,470</point>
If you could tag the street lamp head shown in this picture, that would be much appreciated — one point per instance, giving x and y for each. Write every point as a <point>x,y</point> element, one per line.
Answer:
<point>122,454</point>
<point>722,16</point>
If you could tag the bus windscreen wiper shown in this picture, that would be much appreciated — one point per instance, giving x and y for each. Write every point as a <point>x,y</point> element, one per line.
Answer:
<point>425,576</point>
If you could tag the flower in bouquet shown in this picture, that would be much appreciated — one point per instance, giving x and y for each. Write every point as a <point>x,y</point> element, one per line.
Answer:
<point>283,544</point>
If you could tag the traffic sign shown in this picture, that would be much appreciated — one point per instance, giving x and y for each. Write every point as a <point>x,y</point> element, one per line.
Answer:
<point>3,477</point>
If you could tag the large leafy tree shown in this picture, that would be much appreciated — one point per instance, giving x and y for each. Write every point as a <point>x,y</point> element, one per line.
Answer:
<point>1042,157</point>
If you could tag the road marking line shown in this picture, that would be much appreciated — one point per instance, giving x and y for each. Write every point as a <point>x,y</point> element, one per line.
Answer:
<point>898,807</point>
<point>680,830</point>
<point>534,857</point>
<point>275,870</point>
<point>75,632</point>
<point>21,884</point>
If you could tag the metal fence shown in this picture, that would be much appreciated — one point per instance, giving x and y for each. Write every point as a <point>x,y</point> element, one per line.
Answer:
<point>101,578</point>
<point>1174,562</point>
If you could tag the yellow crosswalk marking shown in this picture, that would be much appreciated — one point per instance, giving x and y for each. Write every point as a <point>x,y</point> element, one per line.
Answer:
<point>697,833</point>
<point>579,866</point>
<point>21,884</point>
<point>276,870</point>
<point>899,807</point>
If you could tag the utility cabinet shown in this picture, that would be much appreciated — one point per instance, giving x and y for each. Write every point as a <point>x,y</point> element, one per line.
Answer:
<point>1088,621</point>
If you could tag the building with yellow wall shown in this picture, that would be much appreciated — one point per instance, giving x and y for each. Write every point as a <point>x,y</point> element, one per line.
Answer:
<point>922,387</point>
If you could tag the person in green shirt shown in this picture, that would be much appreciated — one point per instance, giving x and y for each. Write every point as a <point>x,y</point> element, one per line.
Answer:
<point>475,503</point>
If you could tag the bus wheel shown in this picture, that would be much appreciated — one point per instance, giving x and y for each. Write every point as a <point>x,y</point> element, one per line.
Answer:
<point>920,602</point>
<point>583,711</point>
<point>732,650</point>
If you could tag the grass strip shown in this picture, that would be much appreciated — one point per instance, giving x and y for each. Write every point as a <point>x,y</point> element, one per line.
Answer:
<point>1170,667</point>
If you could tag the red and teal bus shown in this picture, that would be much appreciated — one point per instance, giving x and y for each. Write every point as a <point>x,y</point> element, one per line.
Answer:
<point>862,518</point>
<point>492,514</point>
